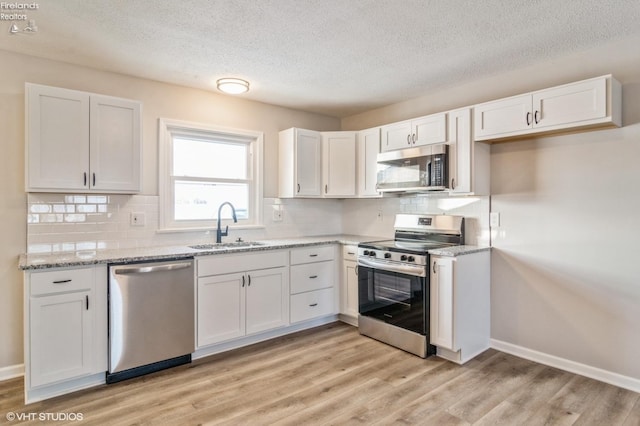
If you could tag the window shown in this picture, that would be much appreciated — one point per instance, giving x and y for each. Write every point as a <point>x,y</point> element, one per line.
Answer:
<point>203,166</point>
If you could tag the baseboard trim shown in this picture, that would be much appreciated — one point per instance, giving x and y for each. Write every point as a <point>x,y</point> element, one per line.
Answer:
<point>11,372</point>
<point>599,374</point>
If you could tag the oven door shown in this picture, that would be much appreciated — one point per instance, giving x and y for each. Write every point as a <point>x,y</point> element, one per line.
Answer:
<point>394,296</point>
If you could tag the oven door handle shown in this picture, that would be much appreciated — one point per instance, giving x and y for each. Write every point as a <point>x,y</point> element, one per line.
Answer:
<point>416,271</point>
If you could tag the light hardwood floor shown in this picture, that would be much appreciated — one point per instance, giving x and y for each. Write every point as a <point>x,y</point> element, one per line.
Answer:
<point>333,376</point>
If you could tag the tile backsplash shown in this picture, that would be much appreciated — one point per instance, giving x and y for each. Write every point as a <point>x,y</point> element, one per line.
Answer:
<point>63,222</point>
<point>69,223</point>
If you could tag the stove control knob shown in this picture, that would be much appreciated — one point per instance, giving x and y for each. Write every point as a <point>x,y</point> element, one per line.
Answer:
<point>403,257</point>
<point>387,255</point>
<point>411,259</point>
<point>366,252</point>
<point>372,253</point>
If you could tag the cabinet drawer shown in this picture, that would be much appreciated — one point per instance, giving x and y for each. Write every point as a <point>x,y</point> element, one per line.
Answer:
<point>311,276</point>
<point>311,254</point>
<point>312,304</point>
<point>350,253</point>
<point>242,262</point>
<point>61,281</point>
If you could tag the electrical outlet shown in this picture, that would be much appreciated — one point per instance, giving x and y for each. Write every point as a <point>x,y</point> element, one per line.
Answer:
<point>379,216</point>
<point>494,219</point>
<point>137,219</point>
<point>277,213</point>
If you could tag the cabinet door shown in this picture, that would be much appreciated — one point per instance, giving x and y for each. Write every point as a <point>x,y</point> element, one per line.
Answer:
<point>115,144</point>
<point>221,308</point>
<point>442,303</point>
<point>429,130</point>
<point>350,290</point>
<point>460,151</point>
<point>503,117</point>
<point>57,139</point>
<point>267,300</point>
<point>395,136</point>
<point>367,150</point>
<point>308,163</point>
<point>60,333</point>
<point>339,164</point>
<point>570,104</point>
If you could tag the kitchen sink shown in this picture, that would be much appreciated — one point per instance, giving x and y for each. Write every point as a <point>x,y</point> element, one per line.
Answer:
<point>235,244</point>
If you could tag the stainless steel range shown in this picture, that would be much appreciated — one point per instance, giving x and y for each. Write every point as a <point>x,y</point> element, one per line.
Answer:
<point>393,280</point>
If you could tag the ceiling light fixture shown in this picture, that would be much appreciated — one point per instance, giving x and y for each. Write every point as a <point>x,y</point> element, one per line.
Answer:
<point>233,86</point>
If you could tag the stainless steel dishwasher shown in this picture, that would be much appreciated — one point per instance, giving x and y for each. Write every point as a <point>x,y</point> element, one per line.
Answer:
<point>151,317</point>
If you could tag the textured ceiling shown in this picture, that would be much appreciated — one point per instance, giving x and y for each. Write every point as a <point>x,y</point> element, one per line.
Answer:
<point>336,57</point>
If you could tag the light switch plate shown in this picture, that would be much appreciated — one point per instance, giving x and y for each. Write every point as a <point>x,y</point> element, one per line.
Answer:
<point>277,213</point>
<point>494,219</point>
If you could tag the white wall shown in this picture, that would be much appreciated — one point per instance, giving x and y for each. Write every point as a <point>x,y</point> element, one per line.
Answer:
<point>565,277</point>
<point>564,274</point>
<point>159,100</point>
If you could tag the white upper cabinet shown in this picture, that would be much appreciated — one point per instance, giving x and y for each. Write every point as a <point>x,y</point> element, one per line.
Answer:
<point>339,164</point>
<point>589,103</point>
<point>368,147</point>
<point>115,144</point>
<point>469,171</point>
<point>57,138</point>
<point>300,168</point>
<point>426,130</point>
<point>81,142</point>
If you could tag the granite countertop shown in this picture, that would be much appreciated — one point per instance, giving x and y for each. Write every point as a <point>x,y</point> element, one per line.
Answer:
<point>67,259</point>
<point>454,251</point>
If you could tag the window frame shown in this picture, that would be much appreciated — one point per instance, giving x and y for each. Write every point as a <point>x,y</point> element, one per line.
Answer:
<point>167,129</point>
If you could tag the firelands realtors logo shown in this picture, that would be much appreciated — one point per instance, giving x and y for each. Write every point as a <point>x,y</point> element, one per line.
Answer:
<point>18,15</point>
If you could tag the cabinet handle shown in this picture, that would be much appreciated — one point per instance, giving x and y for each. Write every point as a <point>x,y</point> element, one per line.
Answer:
<point>453,183</point>
<point>434,267</point>
<point>249,276</point>
<point>85,179</point>
<point>528,118</point>
<point>356,270</point>
<point>94,179</point>
<point>408,139</point>
<point>313,304</point>
<point>351,253</point>
<point>413,138</point>
<point>243,281</point>
<point>87,300</point>
<point>535,116</point>
<point>62,281</point>
<point>326,188</point>
<point>313,255</point>
<point>298,188</point>
<point>313,277</point>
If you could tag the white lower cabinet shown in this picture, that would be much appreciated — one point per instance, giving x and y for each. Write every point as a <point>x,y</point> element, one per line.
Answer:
<point>65,330</point>
<point>235,300</point>
<point>349,290</point>
<point>312,283</point>
<point>460,305</point>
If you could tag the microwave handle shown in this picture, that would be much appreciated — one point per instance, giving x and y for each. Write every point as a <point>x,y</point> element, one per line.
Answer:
<point>429,168</point>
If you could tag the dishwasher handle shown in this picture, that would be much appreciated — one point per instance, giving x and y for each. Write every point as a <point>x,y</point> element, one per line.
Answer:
<point>149,269</point>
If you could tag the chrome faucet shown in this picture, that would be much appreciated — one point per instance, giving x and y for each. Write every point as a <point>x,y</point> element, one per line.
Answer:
<point>219,233</point>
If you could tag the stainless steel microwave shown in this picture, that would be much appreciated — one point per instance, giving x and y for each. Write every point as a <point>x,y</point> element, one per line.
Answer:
<point>424,168</point>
